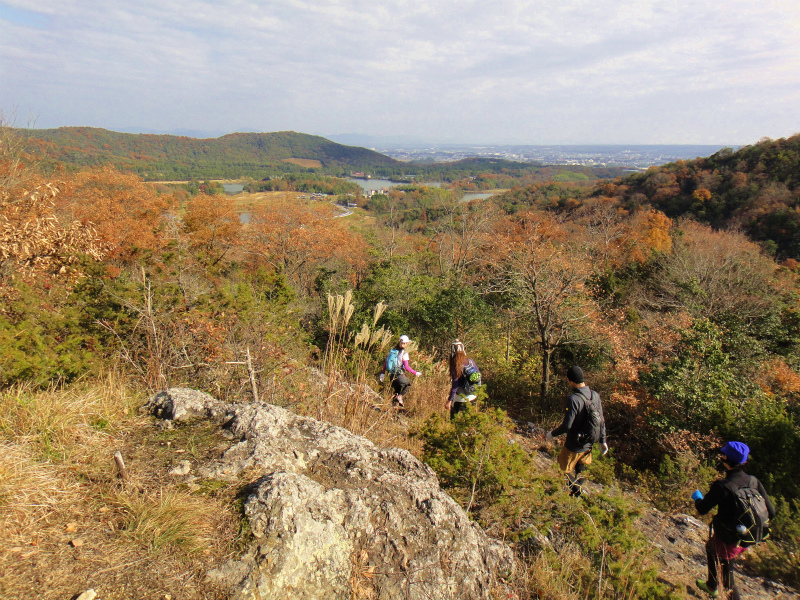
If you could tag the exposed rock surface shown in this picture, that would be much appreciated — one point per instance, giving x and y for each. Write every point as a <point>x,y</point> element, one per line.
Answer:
<point>334,516</point>
<point>681,540</point>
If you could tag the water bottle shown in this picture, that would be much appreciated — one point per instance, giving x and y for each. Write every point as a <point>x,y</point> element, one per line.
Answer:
<point>741,529</point>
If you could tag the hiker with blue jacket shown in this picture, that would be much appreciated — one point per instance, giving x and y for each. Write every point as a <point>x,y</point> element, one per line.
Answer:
<point>396,364</point>
<point>584,425</point>
<point>742,519</point>
<point>465,376</point>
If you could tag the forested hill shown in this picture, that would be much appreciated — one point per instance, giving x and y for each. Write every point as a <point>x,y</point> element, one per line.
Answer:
<point>158,157</point>
<point>756,188</point>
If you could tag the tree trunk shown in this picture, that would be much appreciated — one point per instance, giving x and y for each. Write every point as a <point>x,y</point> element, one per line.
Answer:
<point>546,352</point>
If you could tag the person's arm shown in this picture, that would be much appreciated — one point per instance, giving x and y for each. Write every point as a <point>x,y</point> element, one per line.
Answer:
<point>603,440</point>
<point>406,366</point>
<point>710,500</point>
<point>453,391</point>
<point>572,409</point>
<point>770,507</point>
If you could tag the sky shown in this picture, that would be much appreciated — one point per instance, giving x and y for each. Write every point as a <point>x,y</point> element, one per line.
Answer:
<point>454,71</point>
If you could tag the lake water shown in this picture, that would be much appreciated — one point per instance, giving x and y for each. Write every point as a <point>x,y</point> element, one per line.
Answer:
<point>232,188</point>
<point>477,196</point>
<point>377,184</point>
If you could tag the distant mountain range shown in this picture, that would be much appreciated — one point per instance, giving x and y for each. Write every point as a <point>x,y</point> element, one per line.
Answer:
<point>157,157</point>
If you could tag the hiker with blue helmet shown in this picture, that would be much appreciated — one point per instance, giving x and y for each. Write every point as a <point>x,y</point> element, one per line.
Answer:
<point>742,519</point>
<point>396,364</point>
<point>465,378</point>
<point>584,425</point>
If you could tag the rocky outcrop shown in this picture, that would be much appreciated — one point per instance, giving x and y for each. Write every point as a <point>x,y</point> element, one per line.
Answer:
<point>334,516</point>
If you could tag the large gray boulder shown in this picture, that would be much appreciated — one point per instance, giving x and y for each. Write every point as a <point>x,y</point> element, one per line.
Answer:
<point>334,516</point>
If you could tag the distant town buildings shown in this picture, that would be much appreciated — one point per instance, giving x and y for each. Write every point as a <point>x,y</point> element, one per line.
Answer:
<point>634,157</point>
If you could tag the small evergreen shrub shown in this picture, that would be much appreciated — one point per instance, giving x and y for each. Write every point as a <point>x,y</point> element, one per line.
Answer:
<point>473,456</point>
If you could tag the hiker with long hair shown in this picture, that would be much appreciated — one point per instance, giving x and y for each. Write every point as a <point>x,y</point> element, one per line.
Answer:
<point>465,376</point>
<point>396,364</point>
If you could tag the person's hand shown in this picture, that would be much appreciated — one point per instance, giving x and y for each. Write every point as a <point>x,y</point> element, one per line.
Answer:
<point>604,448</point>
<point>697,495</point>
<point>382,377</point>
<point>419,373</point>
<point>448,405</point>
<point>549,436</point>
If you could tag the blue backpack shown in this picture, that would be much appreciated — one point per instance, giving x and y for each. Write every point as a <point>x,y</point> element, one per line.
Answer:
<point>393,364</point>
<point>471,377</point>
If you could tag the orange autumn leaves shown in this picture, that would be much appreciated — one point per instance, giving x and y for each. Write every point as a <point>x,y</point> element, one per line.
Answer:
<point>300,238</point>
<point>128,215</point>
<point>121,219</point>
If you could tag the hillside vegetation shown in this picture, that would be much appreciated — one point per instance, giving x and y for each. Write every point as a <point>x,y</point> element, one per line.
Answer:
<point>159,157</point>
<point>261,155</point>
<point>690,333</point>
<point>755,189</point>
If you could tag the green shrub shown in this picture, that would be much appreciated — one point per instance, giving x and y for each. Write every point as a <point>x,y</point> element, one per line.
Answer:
<point>478,463</point>
<point>677,477</point>
<point>473,456</point>
<point>42,340</point>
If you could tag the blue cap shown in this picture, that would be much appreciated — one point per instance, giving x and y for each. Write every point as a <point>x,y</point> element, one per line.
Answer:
<point>736,452</point>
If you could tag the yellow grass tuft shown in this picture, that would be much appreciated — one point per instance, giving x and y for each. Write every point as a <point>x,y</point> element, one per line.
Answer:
<point>58,423</point>
<point>29,492</point>
<point>166,519</point>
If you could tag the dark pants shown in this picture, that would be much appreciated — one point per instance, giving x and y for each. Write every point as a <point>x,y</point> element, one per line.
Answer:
<point>457,407</point>
<point>575,481</point>
<point>400,384</point>
<point>717,563</point>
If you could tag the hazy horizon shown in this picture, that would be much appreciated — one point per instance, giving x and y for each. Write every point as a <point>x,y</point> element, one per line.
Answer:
<point>372,140</point>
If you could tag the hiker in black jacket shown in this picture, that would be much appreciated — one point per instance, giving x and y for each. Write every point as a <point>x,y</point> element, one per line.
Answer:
<point>724,545</point>
<point>577,451</point>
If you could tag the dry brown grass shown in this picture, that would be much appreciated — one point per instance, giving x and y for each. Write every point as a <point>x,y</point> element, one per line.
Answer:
<point>308,163</point>
<point>246,201</point>
<point>68,523</point>
<point>354,406</point>
<point>29,493</point>
<point>165,519</point>
<point>549,576</point>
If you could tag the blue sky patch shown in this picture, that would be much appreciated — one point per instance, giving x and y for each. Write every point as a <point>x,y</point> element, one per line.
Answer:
<point>23,17</point>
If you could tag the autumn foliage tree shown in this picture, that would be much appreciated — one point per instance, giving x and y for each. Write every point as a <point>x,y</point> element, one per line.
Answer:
<point>213,226</point>
<point>460,237</point>
<point>33,239</point>
<point>299,238</point>
<point>128,214</point>
<point>713,274</point>
<point>543,269</point>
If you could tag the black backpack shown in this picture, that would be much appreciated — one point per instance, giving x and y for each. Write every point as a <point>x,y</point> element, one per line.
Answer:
<point>751,524</point>
<point>592,425</point>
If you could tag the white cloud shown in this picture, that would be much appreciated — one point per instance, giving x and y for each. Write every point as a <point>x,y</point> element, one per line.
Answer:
<point>504,70</point>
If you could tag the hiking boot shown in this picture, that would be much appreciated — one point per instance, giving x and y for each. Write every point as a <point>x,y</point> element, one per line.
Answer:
<point>702,585</point>
<point>578,492</point>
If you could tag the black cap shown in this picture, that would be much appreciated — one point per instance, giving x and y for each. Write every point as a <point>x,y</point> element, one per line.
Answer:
<point>575,374</point>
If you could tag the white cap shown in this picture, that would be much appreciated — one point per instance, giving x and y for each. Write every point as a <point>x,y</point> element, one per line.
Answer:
<point>404,338</point>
